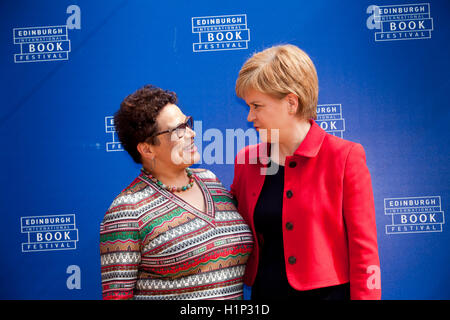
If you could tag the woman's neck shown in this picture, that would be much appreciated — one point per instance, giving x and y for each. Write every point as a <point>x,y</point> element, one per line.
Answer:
<point>289,141</point>
<point>168,176</point>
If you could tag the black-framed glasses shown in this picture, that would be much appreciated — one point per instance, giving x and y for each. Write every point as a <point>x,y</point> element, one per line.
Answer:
<point>180,130</point>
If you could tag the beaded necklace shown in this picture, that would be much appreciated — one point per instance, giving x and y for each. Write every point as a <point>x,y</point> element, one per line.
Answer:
<point>171,188</point>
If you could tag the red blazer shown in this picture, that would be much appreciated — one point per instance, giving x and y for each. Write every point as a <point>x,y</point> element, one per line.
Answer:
<point>329,228</point>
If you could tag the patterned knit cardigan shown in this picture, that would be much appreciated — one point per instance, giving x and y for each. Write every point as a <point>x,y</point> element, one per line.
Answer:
<point>154,245</point>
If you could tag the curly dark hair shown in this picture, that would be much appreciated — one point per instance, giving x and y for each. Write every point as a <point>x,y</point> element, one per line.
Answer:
<point>135,121</point>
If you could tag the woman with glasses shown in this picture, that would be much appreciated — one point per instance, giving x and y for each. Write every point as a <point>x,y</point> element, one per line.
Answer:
<point>174,232</point>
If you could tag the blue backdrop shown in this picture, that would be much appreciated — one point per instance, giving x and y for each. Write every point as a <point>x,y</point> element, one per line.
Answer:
<point>66,65</point>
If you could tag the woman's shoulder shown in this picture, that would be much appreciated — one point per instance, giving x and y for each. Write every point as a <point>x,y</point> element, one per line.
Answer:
<point>127,202</point>
<point>204,174</point>
<point>340,144</point>
<point>342,150</point>
<point>210,180</point>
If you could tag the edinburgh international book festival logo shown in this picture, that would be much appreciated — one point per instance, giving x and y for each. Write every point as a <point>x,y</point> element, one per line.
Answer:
<point>329,118</point>
<point>46,43</point>
<point>400,22</point>
<point>49,233</point>
<point>414,214</point>
<point>114,144</point>
<point>218,33</point>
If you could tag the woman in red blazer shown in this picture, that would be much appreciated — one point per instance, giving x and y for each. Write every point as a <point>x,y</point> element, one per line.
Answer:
<point>306,194</point>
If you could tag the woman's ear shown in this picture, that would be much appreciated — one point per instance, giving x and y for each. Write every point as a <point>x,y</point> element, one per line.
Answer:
<point>145,150</point>
<point>292,101</point>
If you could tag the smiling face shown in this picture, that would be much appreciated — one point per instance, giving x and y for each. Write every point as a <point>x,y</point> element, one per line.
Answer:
<point>172,150</point>
<point>268,113</point>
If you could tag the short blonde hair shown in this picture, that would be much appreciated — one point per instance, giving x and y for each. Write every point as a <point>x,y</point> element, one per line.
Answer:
<point>278,71</point>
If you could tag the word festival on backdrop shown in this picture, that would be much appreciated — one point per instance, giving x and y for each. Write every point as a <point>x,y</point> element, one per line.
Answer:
<point>47,43</point>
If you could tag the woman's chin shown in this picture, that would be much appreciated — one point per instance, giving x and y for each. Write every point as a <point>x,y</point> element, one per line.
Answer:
<point>190,158</point>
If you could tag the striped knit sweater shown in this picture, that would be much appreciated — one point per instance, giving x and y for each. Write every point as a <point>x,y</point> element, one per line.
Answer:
<point>154,245</point>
